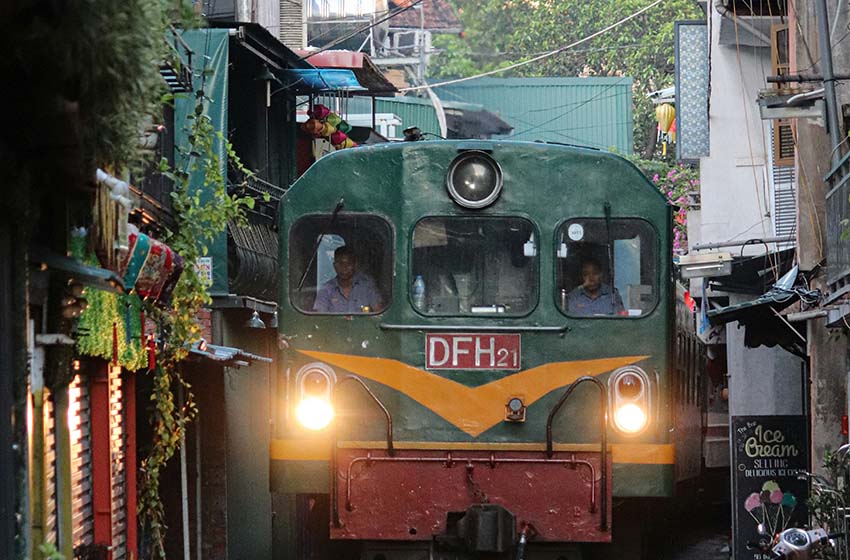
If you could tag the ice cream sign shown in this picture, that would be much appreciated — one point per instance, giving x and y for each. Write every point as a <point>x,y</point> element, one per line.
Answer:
<point>766,443</point>
<point>768,453</point>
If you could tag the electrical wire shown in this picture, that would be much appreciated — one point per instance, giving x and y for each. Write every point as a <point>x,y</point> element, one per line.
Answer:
<point>441,52</point>
<point>542,56</point>
<point>360,30</point>
<point>749,137</point>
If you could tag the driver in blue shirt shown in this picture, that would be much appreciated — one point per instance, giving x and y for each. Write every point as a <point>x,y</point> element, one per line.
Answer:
<point>350,291</point>
<point>593,297</point>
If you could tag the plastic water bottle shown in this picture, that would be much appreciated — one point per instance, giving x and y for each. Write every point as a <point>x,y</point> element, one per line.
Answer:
<point>418,292</point>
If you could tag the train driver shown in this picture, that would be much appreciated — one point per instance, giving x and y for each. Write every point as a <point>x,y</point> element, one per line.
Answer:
<point>592,296</point>
<point>351,290</point>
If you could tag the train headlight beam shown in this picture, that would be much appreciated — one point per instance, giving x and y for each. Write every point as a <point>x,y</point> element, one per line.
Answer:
<point>629,391</point>
<point>314,413</point>
<point>314,409</point>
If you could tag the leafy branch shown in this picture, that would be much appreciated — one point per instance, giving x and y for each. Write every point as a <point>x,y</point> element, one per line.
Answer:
<point>202,212</point>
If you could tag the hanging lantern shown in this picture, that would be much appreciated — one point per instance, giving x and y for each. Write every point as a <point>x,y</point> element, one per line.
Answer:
<point>319,112</point>
<point>334,119</point>
<point>665,114</point>
<point>313,127</point>
<point>327,130</point>
<point>338,137</point>
<point>347,143</point>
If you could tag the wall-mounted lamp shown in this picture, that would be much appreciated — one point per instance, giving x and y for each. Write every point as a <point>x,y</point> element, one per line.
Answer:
<point>255,322</point>
<point>267,76</point>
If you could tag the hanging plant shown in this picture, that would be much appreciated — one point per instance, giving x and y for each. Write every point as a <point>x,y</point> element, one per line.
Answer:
<point>679,184</point>
<point>202,213</point>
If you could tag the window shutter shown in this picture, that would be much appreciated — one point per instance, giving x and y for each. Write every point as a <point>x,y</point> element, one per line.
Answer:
<point>779,50</point>
<point>783,143</point>
<point>116,448</point>
<point>783,180</point>
<point>81,470</point>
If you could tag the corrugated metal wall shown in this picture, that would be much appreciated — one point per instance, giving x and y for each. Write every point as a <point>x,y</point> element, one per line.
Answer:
<point>594,112</point>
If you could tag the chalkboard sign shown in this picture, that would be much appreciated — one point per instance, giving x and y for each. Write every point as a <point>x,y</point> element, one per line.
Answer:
<point>768,452</point>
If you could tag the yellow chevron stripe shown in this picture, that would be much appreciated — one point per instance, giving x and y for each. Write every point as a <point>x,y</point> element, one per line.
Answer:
<point>472,409</point>
<point>319,449</point>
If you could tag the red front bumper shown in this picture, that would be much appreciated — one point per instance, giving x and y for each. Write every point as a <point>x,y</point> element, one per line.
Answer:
<point>407,496</point>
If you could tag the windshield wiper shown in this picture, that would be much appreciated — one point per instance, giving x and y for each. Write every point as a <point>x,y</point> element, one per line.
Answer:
<point>334,214</point>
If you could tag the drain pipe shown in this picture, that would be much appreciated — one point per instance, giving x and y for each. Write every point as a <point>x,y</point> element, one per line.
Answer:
<point>720,6</point>
<point>828,81</point>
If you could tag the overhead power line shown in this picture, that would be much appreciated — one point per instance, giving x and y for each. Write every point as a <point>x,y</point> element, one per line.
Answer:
<point>542,56</point>
<point>360,30</point>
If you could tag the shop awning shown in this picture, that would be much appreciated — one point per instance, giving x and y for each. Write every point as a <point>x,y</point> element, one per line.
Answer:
<point>224,355</point>
<point>312,80</point>
<point>761,319</point>
<point>98,278</point>
<point>368,75</point>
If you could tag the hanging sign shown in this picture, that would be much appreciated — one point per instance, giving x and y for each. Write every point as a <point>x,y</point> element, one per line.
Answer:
<point>768,453</point>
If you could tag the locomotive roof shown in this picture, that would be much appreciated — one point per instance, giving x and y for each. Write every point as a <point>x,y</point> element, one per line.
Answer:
<point>536,175</point>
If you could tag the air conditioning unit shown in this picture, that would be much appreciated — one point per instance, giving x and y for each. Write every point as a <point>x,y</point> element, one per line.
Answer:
<point>705,265</point>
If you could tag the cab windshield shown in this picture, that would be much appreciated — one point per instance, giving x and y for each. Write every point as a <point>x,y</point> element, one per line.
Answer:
<point>474,266</point>
<point>341,265</point>
<point>606,267</point>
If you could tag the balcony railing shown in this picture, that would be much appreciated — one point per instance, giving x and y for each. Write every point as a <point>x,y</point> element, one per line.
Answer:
<point>838,229</point>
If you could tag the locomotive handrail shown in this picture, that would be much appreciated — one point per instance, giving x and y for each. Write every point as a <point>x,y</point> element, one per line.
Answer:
<point>603,401</point>
<point>473,328</point>
<point>390,448</point>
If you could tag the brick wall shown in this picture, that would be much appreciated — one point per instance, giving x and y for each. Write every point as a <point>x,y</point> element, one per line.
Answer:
<point>205,319</point>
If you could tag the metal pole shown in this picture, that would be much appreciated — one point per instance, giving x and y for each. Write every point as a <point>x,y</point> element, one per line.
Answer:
<point>701,246</point>
<point>828,81</point>
<point>198,510</point>
<point>184,482</point>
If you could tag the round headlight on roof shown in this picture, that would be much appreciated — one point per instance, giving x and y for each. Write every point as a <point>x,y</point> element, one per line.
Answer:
<point>474,179</point>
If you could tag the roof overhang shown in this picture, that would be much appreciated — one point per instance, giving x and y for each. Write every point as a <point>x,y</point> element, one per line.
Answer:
<point>259,41</point>
<point>224,355</point>
<point>799,105</point>
<point>761,318</point>
<point>99,278</point>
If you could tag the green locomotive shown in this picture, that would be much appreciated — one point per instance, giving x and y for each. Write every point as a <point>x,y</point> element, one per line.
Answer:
<point>459,322</point>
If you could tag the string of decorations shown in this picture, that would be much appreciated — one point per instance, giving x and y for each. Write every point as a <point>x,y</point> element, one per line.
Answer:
<point>324,123</point>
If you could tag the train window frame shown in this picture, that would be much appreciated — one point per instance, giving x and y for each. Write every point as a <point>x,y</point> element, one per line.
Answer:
<point>536,267</point>
<point>389,286</point>
<point>555,278</point>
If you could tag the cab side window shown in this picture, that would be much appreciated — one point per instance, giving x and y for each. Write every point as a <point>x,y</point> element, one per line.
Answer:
<point>341,265</point>
<point>606,267</point>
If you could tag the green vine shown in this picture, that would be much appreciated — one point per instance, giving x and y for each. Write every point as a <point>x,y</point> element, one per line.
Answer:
<point>202,212</point>
<point>824,504</point>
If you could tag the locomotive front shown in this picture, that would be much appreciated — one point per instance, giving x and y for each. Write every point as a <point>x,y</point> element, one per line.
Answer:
<point>476,347</point>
